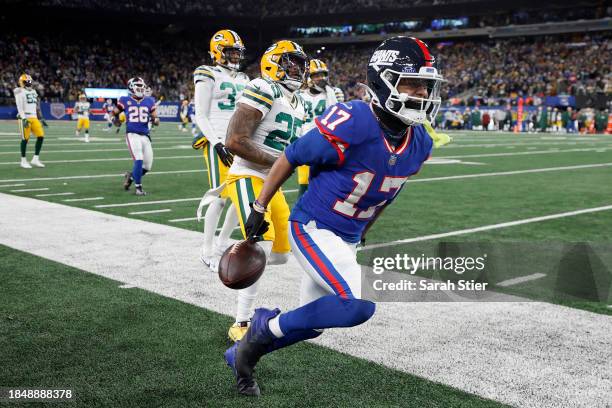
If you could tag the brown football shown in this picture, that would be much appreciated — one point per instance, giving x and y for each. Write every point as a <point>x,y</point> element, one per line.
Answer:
<point>242,264</point>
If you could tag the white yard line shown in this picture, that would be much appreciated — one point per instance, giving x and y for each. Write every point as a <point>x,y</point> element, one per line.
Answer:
<point>135,203</point>
<point>74,200</point>
<point>509,173</point>
<point>489,227</point>
<point>150,211</point>
<point>183,219</point>
<point>505,351</point>
<point>46,152</point>
<point>53,194</point>
<point>535,152</point>
<point>23,190</point>
<point>520,279</point>
<point>108,159</point>
<point>12,185</point>
<point>95,176</point>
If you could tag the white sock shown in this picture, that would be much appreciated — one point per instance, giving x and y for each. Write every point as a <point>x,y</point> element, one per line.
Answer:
<point>246,296</point>
<point>230,222</point>
<point>274,326</point>
<point>211,219</point>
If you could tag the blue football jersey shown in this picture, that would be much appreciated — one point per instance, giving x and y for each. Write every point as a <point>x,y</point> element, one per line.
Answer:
<point>137,113</point>
<point>354,170</point>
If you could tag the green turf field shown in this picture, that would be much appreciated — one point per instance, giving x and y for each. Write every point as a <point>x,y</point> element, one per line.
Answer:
<point>483,179</point>
<point>59,326</point>
<point>64,328</point>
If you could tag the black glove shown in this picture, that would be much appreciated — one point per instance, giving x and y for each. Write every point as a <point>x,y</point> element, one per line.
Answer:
<point>256,225</point>
<point>44,123</point>
<point>225,155</point>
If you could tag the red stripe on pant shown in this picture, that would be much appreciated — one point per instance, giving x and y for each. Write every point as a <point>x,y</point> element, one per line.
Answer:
<point>317,260</point>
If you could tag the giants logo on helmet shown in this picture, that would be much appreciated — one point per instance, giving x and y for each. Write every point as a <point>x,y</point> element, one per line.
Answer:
<point>384,57</point>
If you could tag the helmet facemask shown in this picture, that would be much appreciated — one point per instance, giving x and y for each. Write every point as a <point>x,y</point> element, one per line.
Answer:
<point>294,66</point>
<point>412,109</point>
<point>232,57</point>
<point>320,83</point>
<point>137,88</point>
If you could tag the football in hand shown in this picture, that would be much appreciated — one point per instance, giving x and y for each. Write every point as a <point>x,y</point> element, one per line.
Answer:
<point>242,264</point>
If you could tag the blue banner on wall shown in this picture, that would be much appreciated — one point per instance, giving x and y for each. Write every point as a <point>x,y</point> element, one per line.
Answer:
<point>167,111</point>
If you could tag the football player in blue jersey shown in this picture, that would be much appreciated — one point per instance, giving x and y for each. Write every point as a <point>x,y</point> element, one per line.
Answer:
<point>139,110</point>
<point>360,156</point>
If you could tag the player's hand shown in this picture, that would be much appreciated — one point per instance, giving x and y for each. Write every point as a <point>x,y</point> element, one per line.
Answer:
<point>256,225</point>
<point>25,123</point>
<point>198,141</point>
<point>44,123</point>
<point>156,122</point>
<point>225,155</point>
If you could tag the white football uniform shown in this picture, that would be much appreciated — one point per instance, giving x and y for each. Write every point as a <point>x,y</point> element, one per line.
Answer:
<point>283,116</point>
<point>315,104</point>
<point>227,86</point>
<point>26,100</point>
<point>82,109</point>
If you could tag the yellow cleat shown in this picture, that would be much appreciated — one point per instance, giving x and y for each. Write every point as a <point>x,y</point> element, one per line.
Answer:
<point>237,331</point>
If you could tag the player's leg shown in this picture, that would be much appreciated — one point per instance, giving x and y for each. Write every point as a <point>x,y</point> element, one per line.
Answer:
<point>25,137</point>
<point>77,132</point>
<point>303,172</point>
<point>279,214</point>
<point>215,208</point>
<point>339,276</point>
<point>38,131</point>
<point>231,218</point>
<point>86,126</point>
<point>147,155</point>
<point>134,143</point>
<point>242,191</point>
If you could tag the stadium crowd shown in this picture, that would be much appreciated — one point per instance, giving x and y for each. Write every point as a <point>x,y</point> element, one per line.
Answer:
<point>537,67</point>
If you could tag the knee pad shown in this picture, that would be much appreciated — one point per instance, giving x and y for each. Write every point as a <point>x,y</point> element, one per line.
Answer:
<point>358,310</point>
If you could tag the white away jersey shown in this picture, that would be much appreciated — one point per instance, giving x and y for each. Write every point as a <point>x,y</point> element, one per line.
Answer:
<point>26,101</point>
<point>315,105</point>
<point>227,88</point>
<point>283,116</point>
<point>82,109</point>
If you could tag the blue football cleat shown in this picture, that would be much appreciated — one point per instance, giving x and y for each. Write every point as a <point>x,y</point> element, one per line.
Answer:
<point>259,332</point>
<point>245,382</point>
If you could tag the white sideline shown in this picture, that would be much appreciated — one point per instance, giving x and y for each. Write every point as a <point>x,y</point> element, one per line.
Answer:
<point>520,279</point>
<point>489,227</point>
<point>95,176</point>
<point>46,152</point>
<point>163,210</point>
<point>12,185</point>
<point>531,152</point>
<point>520,353</point>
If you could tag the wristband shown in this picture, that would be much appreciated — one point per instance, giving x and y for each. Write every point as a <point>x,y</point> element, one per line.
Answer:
<point>258,207</point>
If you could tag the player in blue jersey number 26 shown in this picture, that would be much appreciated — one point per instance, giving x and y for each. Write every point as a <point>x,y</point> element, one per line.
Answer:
<point>360,156</point>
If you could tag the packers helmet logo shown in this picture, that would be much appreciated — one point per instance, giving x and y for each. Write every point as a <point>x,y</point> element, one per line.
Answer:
<point>218,37</point>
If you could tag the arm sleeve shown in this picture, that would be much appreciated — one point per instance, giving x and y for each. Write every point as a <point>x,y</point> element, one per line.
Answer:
<point>203,96</point>
<point>316,149</point>
<point>19,101</point>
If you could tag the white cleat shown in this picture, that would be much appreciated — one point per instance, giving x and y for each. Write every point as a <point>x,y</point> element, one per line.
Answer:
<point>24,164</point>
<point>86,139</point>
<point>37,163</point>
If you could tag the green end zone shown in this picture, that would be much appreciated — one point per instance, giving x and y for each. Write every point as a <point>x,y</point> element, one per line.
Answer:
<point>63,327</point>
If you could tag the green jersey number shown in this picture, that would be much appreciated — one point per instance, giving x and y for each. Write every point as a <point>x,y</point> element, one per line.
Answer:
<point>230,104</point>
<point>31,97</point>
<point>318,110</point>
<point>279,139</point>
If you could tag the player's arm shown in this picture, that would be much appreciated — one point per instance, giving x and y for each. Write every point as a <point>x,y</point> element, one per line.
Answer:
<point>239,131</point>
<point>40,115</point>
<point>20,103</point>
<point>154,117</point>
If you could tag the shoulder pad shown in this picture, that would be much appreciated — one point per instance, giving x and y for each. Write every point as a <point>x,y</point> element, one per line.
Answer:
<point>204,72</point>
<point>350,122</point>
<point>261,91</point>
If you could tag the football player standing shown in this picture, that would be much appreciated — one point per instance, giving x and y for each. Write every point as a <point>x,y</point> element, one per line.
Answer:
<point>360,156</point>
<point>108,114</point>
<point>138,110</point>
<point>217,88</point>
<point>81,108</point>
<point>268,117</point>
<point>28,112</point>
<point>317,97</point>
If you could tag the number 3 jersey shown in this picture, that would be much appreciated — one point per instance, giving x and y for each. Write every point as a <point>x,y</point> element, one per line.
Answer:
<point>354,170</point>
<point>283,115</point>
<point>227,88</point>
<point>137,113</point>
